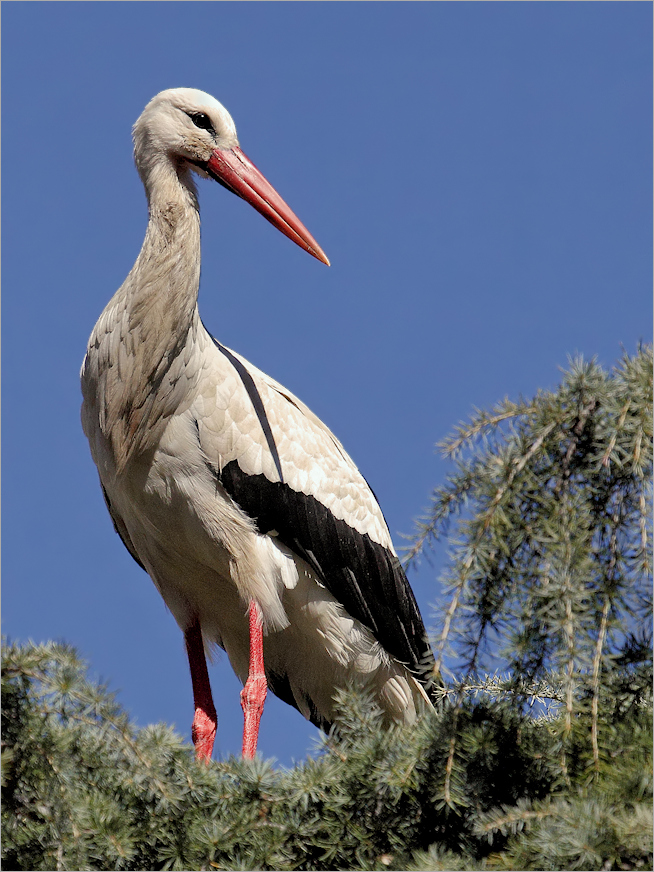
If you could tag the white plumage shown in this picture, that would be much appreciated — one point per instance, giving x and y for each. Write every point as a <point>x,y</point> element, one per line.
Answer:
<point>224,486</point>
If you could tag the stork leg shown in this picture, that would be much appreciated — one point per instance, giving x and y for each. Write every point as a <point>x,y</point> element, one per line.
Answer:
<point>254,693</point>
<point>205,720</point>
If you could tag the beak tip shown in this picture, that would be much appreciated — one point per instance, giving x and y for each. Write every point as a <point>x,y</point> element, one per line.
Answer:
<point>317,252</point>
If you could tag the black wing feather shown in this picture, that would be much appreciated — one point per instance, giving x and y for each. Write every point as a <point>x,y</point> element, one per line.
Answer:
<point>365,577</point>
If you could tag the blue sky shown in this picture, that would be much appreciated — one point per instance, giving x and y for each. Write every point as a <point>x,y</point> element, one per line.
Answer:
<point>479,175</point>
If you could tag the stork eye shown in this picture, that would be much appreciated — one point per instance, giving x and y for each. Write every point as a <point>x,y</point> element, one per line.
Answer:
<point>202,121</point>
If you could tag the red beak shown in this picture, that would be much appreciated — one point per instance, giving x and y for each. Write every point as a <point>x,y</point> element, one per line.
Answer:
<point>236,172</point>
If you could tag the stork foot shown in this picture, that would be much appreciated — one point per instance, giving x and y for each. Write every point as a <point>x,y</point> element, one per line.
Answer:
<point>254,693</point>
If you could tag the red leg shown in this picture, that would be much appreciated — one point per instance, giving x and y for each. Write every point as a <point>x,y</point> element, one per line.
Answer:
<point>254,693</point>
<point>205,721</point>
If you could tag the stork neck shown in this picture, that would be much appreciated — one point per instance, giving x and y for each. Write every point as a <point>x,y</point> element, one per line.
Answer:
<point>162,287</point>
<point>135,354</point>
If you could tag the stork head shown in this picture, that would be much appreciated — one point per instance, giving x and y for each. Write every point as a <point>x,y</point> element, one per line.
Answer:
<point>191,130</point>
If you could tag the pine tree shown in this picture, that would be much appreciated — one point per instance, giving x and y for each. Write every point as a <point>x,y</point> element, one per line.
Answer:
<point>551,569</point>
<point>542,764</point>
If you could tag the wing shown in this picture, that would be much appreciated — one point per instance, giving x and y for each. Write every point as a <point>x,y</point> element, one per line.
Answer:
<point>289,473</point>
<point>120,528</point>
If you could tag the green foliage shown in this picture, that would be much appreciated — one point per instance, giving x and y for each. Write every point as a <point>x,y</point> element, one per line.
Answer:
<point>82,789</point>
<point>545,766</point>
<point>551,565</point>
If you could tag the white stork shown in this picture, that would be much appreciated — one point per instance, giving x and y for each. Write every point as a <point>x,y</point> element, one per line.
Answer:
<point>254,524</point>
